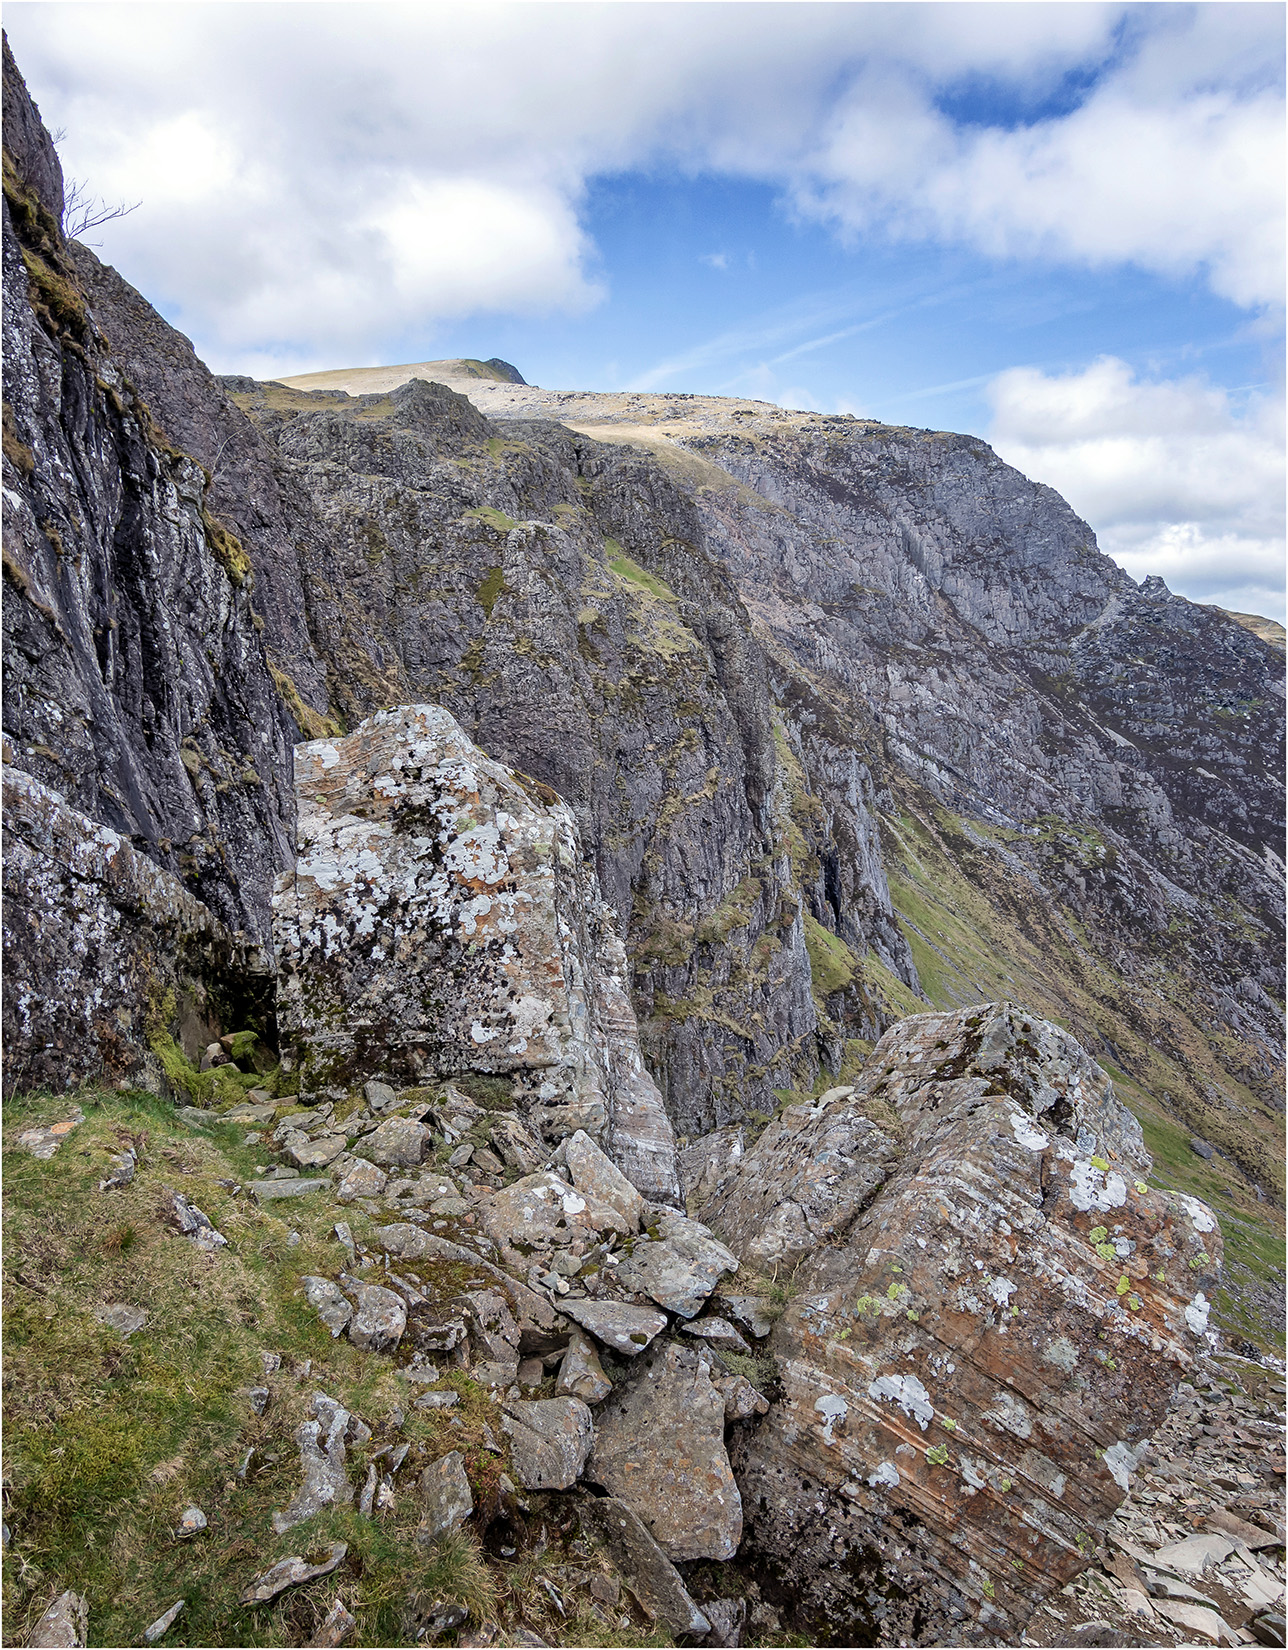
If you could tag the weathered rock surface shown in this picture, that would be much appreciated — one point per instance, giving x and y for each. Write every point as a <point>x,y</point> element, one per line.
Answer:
<point>659,1447</point>
<point>379,1318</point>
<point>64,1623</point>
<point>550,1439</point>
<point>440,920</point>
<point>625,1328</point>
<point>445,1491</point>
<point>655,1581</point>
<point>291,1572</point>
<point>322,1455</point>
<point>679,1268</point>
<point>329,1302</point>
<point>989,1346</point>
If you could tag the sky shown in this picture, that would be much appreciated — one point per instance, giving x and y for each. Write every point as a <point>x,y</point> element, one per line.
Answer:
<point>1056,226</point>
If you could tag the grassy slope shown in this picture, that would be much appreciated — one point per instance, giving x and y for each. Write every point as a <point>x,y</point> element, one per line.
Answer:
<point>108,1439</point>
<point>978,932</point>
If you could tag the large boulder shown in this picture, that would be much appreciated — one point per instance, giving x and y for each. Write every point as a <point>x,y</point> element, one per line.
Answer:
<point>659,1447</point>
<point>973,1365</point>
<point>441,919</point>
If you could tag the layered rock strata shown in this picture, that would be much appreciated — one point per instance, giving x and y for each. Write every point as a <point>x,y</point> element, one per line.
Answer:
<point>982,1336</point>
<point>441,920</point>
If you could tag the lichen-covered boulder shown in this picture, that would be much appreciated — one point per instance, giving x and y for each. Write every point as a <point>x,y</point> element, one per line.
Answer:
<point>679,1267</point>
<point>972,1368</point>
<point>659,1447</point>
<point>550,1440</point>
<point>441,919</point>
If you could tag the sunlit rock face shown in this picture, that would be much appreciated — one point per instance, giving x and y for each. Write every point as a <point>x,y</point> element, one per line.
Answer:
<point>441,919</point>
<point>974,1358</point>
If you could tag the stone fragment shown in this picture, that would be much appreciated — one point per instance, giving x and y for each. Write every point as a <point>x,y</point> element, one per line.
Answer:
<point>531,1372</point>
<point>437,1400</point>
<point>445,1490</point>
<point>335,1628</point>
<point>190,1220</point>
<point>541,1209</point>
<point>741,1400</point>
<point>537,1320</point>
<point>192,1522</point>
<point>329,1302</point>
<point>503,929</point>
<point>322,1456</point>
<point>659,1446</point>
<point>600,1180</point>
<point>250,1114</point>
<point>581,1375</point>
<point>614,1526</point>
<point>550,1439</point>
<point>197,1117</point>
<point>1200,1148</point>
<point>929,1352</point>
<point>379,1096</point>
<point>122,1174</point>
<point>397,1143</point>
<point>681,1269</point>
<point>727,1617</point>
<point>315,1154</point>
<point>273,1191</point>
<point>717,1332</point>
<point>749,1311</point>
<point>378,1320</point>
<point>162,1625</point>
<point>260,1397</point>
<point>360,1179</point>
<point>486,1162</point>
<point>291,1572</point>
<point>430,1329</point>
<point>625,1328</point>
<point>43,1143</point>
<point>1194,1554</point>
<point>127,1320</point>
<point>516,1145</point>
<point>1195,1618</point>
<point>1266,1627</point>
<point>66,1622</point>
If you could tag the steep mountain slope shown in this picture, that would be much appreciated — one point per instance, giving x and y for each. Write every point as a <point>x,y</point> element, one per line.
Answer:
<point>853,719</point>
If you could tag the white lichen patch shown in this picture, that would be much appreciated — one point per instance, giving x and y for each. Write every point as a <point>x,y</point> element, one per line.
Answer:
<point>887,1473</point>
<point>1027,1135</point>
<point>908,1393</point>
<point>833,1408</point>
<point>1095,1188</point>
<point>1196,1313</point>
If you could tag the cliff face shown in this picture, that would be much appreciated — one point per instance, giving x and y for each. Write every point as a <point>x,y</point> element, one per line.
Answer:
<point>851,718</point>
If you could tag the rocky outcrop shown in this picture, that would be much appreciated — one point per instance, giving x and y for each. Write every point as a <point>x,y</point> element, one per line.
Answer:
<point>440,920</point>
<point>980,1341</point>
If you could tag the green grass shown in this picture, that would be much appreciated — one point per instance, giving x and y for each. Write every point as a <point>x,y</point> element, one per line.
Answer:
<point>490,517</point>
<point>626,568</point>
<point>832,965</point>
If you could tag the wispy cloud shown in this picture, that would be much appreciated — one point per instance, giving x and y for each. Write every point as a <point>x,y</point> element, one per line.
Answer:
<point>715,260</point>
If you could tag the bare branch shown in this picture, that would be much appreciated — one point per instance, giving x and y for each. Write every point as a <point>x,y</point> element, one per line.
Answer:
<point>83,212</point>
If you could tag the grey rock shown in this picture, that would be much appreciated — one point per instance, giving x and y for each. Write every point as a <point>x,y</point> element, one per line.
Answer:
<point>1200,1148</point>
<point>581,1375</point>
<point>749,1311</point>
<point>717,1332</point>
<point>260,1398</point>
<point>360,1179</point>
<point>329,1302</point>
<point>190,1220</point>
<point>681,1269</point>
<point>314,1154</point>
<point>379,1318</point>
<point>728,1617</point>
<point>437,1400</point>
<point>122,1174</point>
<point>659,1446</point>
<point>614,1526</point>
<point>44,1142</point>
<point>291,1572</point>
<point>379,1096</point>
<point>162,1625</point>
<point>1266,1627</point>
<point>192,1522</point>
<point>544,1209</point>
<point>397,1143</point>
<point>625,1328</point>
<point>64,1623</point>
<point>550,1439</point>
<point>741,1400</point>
<point>336,1627</point>
<point>323,1458</point>
<point>128,1320</point>
<point>445,1492</point>
<point>600,1180</point>
<point>273,1191</point>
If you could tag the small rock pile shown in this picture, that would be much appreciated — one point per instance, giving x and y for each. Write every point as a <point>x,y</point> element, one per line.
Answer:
<point>1195,1555</point>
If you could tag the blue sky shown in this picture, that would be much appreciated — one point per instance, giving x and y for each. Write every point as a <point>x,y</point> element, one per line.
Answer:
<point>1058,226</point>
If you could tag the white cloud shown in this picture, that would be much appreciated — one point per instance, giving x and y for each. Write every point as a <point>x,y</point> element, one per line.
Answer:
<point>320,179</point>
<point>1175,476</point>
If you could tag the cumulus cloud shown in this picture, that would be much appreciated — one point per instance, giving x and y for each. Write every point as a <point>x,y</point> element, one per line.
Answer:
<point>1176,476</point>
<point>320,179</point>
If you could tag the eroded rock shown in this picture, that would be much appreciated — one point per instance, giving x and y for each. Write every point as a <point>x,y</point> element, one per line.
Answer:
<point>416,853</point>
<point>994,1340</point>
<point>680,1268</point>
<point>551,1439</point>
<point>64,1623</point>
<point>322,1455</point>
<point>445,1491</point>
<point>379,1317</point>
<point>291,1572</point>
<point>659,1446</point>
<point>625,1328</point>
<point>330,1303</point>
<point>613,1525</point>
<point>581,1375</point>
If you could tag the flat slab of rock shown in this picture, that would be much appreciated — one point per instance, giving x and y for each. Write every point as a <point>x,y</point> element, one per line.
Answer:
<point>322,1456</point>
<point>681,1269</point>
<point>445,1491</point>
<point>1192,1556</point>
<point>541,1209</point>
<point>360,1179</point>
<point>717,1332</point>
<point>647,1571</point>
<point>291,1572</point>
<point>44,1142</point>
<point>273,1191</point>
<point>335,1629</point>
<point>126,1320</point>
<point>1197,1619</point>
<point>581,1375</point>
<point>66,1621</point>
<point>314,1154</point>
<point>659,1446</point>
<point>162,1625</point>
<point>625,1328</point>
<point>749,1312</point>
<point>550,1438</point>
<point>599,1178</point>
